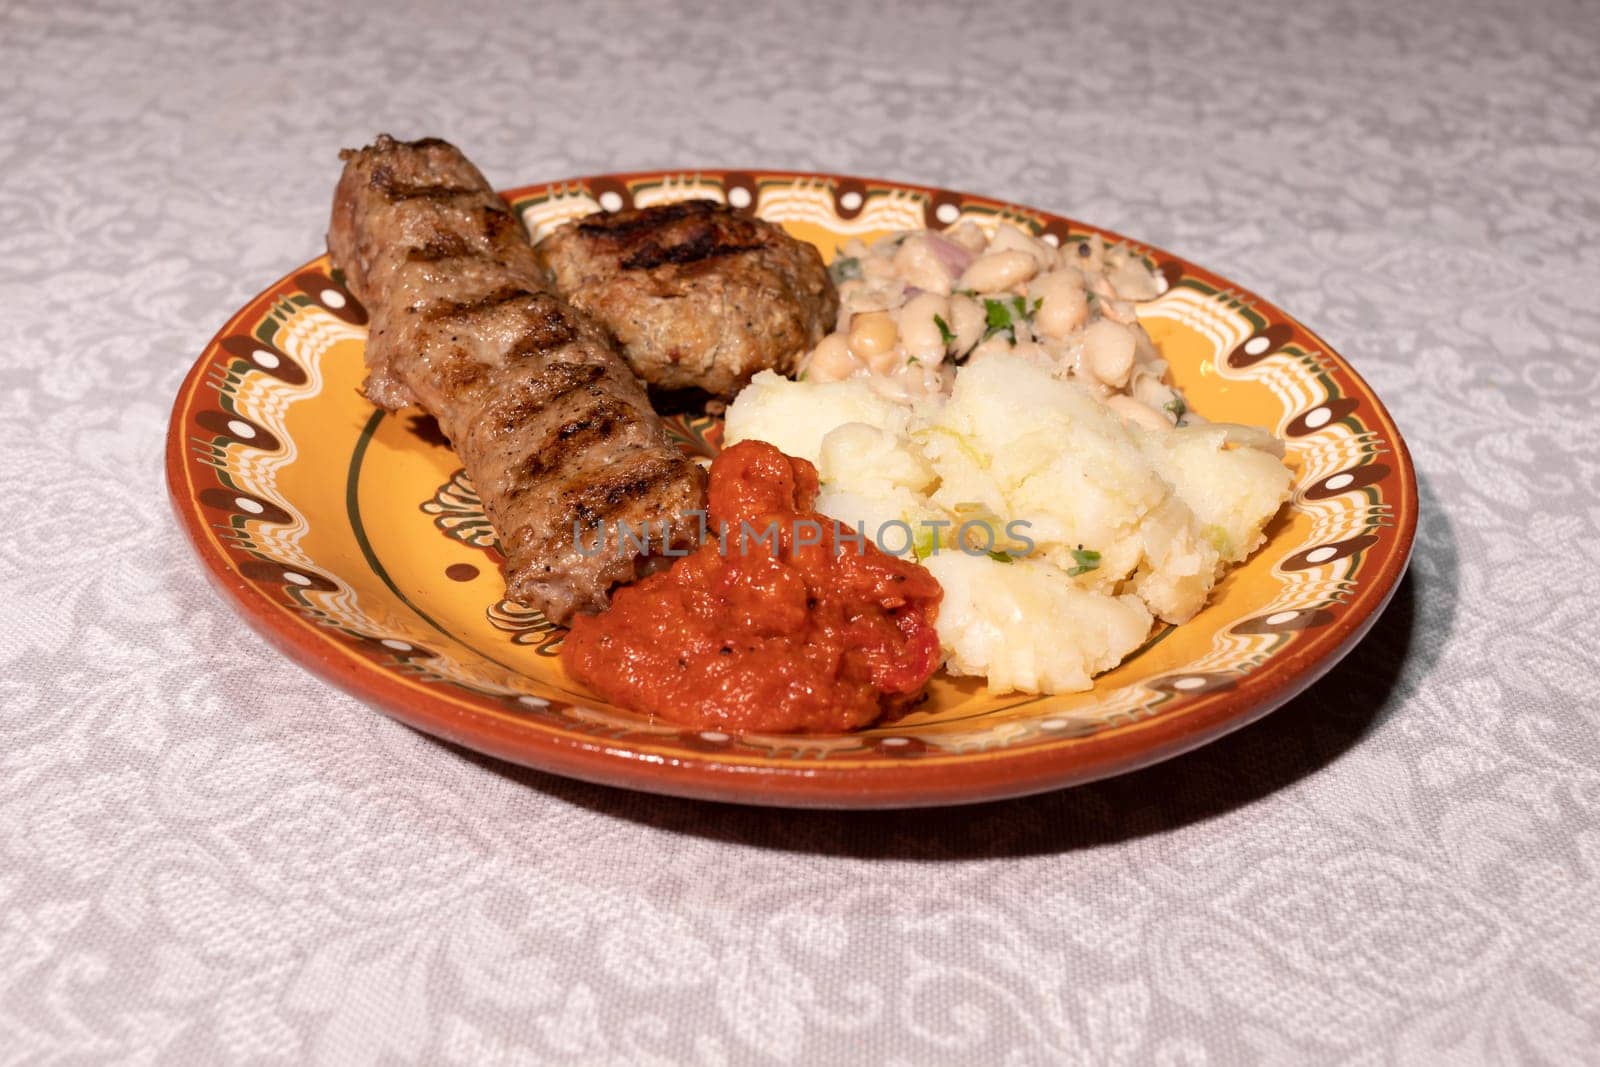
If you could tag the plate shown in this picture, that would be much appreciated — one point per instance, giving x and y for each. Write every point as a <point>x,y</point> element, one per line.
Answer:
<point>352,541</point>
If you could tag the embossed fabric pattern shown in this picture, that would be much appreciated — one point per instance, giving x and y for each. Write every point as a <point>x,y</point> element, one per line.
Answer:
<point>208,856</point>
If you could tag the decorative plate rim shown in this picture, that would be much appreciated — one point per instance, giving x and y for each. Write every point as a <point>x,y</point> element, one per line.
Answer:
<point>842,783</point>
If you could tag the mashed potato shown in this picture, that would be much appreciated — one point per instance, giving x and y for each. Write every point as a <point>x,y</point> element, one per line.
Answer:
<point>1059,529</point>
<point>1232,492</point>
<point>1025,626</point>
<point>771,409</point>
<point>1029,446</point>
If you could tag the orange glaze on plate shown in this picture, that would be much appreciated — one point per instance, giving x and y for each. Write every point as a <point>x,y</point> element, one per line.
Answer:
<point>824,634</point>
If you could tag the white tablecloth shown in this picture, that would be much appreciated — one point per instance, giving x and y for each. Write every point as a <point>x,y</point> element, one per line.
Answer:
<point>207,856</point>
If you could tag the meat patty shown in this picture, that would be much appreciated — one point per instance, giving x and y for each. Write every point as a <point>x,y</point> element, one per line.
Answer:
<point>697,295</point>
<point>554,430</point>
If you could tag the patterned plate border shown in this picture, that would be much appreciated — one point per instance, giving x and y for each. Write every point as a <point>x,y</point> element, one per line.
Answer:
<point>216,452</point>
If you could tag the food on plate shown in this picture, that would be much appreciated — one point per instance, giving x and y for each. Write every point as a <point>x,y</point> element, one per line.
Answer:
<point>698,295</point>
<point>1022,627</point>
<point>551,425</point>
<point>917,304</point>
<point>1055,483</point>
<point>983,465</point>
<point>779,622</point>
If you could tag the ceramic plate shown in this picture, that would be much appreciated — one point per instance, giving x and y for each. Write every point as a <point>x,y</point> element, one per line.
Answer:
<point>352,541</point>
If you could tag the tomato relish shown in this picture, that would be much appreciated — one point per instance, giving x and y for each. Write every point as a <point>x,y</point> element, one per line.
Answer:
<point>775,624</point>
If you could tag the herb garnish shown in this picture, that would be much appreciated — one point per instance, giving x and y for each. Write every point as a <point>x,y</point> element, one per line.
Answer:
<point>1003,316</point>
<point>1176,408</point>
<point>845,269</point>
<point>945,332</point>
<point>1087,559</point>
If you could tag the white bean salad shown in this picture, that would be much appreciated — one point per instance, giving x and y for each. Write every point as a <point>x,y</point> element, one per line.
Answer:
<point>915,305</point>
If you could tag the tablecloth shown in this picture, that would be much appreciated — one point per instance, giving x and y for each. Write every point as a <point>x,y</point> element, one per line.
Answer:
<point>208,856</point>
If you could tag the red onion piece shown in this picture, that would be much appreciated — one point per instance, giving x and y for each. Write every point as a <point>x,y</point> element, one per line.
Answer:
<point>956,259</point>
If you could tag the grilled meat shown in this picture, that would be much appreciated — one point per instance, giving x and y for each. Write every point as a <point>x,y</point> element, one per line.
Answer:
<point>554,430</point>
<point>697,295</point>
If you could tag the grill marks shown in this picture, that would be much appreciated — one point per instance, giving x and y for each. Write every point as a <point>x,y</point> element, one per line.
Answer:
<point>701,245</point>
<point>609,496</point>
<point>548,328</point>
<point>454,310</point>
<point>562,449</point>
<point>460,373</point>
<point>438,246</point>
<point>395,189</point>
<point>692,231</point>
<point>631,225</point>
<point>597,421</point>
<point>548,421</point>
<point>426,192</point>
<point>554,382</point>
<point>497,224</point>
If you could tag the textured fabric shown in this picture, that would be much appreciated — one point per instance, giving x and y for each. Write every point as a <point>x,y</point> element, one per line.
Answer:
<point>206,856</point>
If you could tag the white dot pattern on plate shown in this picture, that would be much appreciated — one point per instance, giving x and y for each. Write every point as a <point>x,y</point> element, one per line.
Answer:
<point>332,298</point>
<point>1278,618</point>
<point>739,196</point>
<point>947,213</point>
<point>1189,683</point>
<point>296,578</point>
<point>241,429</point>
<point>1338,481</point>
<point>266,359</point>
<point>1257,345</point>
<point>611,200</point>
<point>850,201</point>
<point>1321,555</point>
<point>895,742</point>
<point>533,701</point>
<point>1318,417</point>
<point>716,737</point>
<point>244,503</point>
<point>398,646</point>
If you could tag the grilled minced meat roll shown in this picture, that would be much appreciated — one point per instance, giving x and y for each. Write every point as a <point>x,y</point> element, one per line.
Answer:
<point>549,422</point>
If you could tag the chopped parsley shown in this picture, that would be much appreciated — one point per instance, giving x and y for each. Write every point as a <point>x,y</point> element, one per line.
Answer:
<point>845,269</point>
<point>1176,408</point>
<point>1003,316</point>
<point>1087,559</point>
<point>997,318</point>
<point>944,330</point>
<point>1001,557</point>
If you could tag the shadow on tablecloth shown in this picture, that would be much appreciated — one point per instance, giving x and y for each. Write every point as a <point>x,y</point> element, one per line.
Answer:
<point>1302,738</point>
